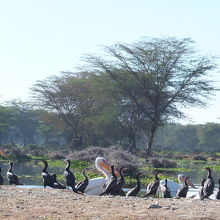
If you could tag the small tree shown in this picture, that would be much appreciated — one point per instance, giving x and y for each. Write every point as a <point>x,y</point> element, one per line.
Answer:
<point>158,76</point>
<point>25,121</point>
<point>71,97</point>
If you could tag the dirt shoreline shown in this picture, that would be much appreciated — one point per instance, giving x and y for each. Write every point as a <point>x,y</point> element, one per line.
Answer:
<point>19,203</point>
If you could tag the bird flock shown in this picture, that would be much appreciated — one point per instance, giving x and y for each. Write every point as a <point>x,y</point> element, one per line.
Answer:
<point>114,185</point>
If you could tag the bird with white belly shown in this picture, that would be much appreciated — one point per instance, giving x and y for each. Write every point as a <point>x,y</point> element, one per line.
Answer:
<point>97,185</point>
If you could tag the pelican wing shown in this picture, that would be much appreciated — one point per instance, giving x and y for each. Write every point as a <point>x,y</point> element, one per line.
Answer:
<point>173,186</point>
<point>95,186</point>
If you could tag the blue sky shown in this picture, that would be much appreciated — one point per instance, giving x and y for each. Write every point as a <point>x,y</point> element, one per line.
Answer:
<point>40,38</point>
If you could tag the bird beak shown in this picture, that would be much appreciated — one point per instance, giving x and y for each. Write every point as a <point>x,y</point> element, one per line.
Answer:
<point>191,184</point>
<point>107,167</point>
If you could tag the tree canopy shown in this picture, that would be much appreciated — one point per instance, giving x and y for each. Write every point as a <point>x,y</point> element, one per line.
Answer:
<point>158,76</point>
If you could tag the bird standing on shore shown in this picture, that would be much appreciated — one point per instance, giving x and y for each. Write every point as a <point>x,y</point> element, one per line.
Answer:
<point>218,192</point>
<point>209,185</point>
<point>137,188</point>
<point>165,191</point>
<point>48,180</point>
<point>1,178</point>
<point>117,190</point>
<point>12,178</point>
<point>201,189</point>
<point>182,192</point>
<point>69,176</point>
<point>152,187</point>
<point>81,186</point>
<point>111,184</point>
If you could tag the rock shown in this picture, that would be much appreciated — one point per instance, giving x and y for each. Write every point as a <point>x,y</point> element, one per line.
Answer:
<point>154,206</point>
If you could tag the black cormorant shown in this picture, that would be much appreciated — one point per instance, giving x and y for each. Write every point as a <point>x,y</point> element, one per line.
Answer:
<point>182,192</point>
<point>111,184</point>
<point>218,192</point>
<point>48,180</point>
<point>137,188</point>
<point>153,186</point>
<point>57,185</point>
<point>69,176</point>
<point>1,178</point>
<point>209,185</point>
<point>117,189</point>
<point>165,191</point>
<point>81,186</point>
<point>12,178</point>
<point>201,189</point>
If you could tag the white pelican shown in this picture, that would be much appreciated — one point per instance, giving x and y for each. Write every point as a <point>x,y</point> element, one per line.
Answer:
<point>96,185</point>
<point>173,186</point>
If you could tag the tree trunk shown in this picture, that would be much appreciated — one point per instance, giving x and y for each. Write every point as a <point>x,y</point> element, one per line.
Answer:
<point>150,141</point>
<point>132,142</point>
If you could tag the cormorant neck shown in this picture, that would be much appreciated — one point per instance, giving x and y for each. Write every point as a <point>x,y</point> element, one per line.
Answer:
<point>10,168</point>
<point>113,171</point>
<point>186,182</point>
<point>45,167</point>
<point>84,174</point>
<point>67,166</point>
<point>209,174</point>
<point>138,181</point>
<point>165,182</point>
<point>121,173</point>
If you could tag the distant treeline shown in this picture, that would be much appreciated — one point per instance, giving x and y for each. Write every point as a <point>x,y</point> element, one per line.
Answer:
<point>24,125</point>
<point>189,138</point>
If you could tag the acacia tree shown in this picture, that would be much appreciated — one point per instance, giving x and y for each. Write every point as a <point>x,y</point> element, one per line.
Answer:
<point>158,76</point>
<point>71,97</point>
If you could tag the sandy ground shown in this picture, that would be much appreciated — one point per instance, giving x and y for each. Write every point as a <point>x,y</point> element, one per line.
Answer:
<point>19,203</point>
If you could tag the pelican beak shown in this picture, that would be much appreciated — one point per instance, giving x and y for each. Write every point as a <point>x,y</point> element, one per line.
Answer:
<point>191,184</point>
<point>107,167</point>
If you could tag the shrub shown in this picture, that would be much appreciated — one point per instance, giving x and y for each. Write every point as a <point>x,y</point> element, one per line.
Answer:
<point>162,163</point>
<point>199,157</point>
<point>115,155</point>
<point>57,155</point>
